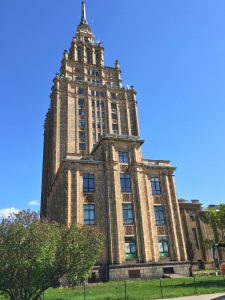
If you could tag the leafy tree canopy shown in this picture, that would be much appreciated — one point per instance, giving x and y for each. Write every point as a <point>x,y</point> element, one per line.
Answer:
<point>36,253</point>
<point>215,216</point>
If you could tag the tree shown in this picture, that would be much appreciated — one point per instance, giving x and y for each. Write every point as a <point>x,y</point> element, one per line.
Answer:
<point>215,216</point>
<point>35,253</point>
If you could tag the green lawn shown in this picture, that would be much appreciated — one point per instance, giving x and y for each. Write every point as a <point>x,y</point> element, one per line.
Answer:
<point>141,290</point>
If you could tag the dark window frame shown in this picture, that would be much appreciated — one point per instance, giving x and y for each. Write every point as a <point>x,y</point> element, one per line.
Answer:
<point>124,157</point>
<point>125,183</point>
<point>155,185</point>
<point>159,215</point>
<point>128,214</point>
<point>163,244</point>
<point>90,209</point>
<point>131,246</point>
<point>88,183</point>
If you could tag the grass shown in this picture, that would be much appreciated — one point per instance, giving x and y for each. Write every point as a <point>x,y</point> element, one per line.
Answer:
<point>141,290</point>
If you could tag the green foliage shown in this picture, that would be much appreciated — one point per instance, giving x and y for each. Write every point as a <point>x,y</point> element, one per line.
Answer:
<point>35,253</point>
<point>216,218</point>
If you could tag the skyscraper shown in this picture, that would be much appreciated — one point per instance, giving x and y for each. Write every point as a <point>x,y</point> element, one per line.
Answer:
<point>94,172</point>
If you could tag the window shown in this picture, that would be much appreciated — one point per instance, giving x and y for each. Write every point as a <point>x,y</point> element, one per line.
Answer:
<point>191,214</point>
<point>125,182</point>
<point>88,56</point>
<point>98,104</point>
<point>81,102</point>
<point>93,124</point>
<point>195,236</point>
<point>82,146</point>
<point>81,91</point>
<point>123,157</point>
<point>94,137</point>
<point>81,134</point>
<point>97,73</point>
<point>93,103</point>
<point>102,94</point>
<point>93,93</point>
<point>103,125</point>
<point>102,104</point>
<point>98,114</point>
<point>113,95</point>
<point>155,185</point>
<point>89,214</point>
<point>93,114</point>
<point>114,116</point>
<point>99,135</point>
<point>99,124</point>
<point>103,115</point>
<point>130,248</point>
<point>159,215</point>
<point>128,216</point>
<point>81,123</point>
<point>81,112</point>
<point>115,127</point>
<point>163,246</point>
<point>97,94</point>
<point>113,106</point>
<point>88,183</point>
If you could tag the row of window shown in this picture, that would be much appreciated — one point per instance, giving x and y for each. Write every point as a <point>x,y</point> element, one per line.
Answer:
<point>124,181</point>
<point>130,242</point>
<point>128,214</point>
<point>131,249</point>
<point>82,91</point>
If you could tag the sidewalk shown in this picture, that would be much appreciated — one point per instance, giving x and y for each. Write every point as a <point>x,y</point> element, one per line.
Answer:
<point>202,297</point>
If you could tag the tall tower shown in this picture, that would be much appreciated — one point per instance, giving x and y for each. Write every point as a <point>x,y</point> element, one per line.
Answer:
<point>93,170</point>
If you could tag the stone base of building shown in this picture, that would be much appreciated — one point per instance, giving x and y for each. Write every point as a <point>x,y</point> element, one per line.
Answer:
<point>148,270</point>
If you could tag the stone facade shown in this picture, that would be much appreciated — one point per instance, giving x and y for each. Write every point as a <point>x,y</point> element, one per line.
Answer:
<point>94,172</point>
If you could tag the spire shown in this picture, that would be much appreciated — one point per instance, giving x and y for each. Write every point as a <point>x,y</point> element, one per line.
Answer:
<point>84,16</point>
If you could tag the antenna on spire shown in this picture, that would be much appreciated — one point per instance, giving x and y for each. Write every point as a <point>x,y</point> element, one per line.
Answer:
<point>84,15</point>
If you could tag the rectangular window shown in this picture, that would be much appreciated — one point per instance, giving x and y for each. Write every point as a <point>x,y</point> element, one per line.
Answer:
<point>97,94</point>
<point>93,103</point>
<point>128,216</point>
<point>102,104</point>
<point>98,114</point>
<point>159,215</point>
<point>123,157</point>
<point>195,237</point>
<point>103,115</point>
<point>94,137</point>
<point>115,127</point>
<point>89,214</point>
<point>102,94</point>
<point>114,116</point>
<point>99,125</point>
<point>93,124</point>
<point>93,93</point>
<point>81,123</point>
<point>81,102</point>
<point>80,91</point>
<point>113,106</point>
<point>93,113</point>
<point>191,214</point>
<point>113,95</point>
<point>81,112</point>
<point>88,183</point>
<point>155,184</point>
<point>125,182</point>
<point>82,134</point>
<point>130,248</point>
<point>97,73</point>
<point>98,103</point>
<point>82,146</point>
<point>163,246</point>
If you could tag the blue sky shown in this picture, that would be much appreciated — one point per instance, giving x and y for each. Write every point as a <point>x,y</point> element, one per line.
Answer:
<point>173,52</point>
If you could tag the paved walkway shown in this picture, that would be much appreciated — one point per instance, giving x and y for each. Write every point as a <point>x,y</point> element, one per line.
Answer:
<point>202,297</point>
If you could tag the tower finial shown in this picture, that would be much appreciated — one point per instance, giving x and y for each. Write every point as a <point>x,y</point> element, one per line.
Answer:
<point>84,15</point>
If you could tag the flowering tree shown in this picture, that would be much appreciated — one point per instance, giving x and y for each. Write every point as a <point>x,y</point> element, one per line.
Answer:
<point>35,253</point>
